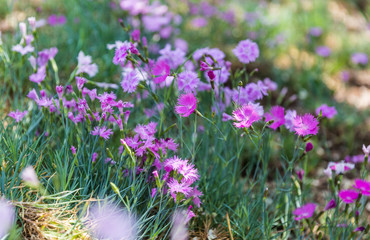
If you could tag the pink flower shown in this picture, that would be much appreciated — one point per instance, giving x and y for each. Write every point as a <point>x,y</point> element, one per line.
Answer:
<point>323,51</point>
<point>306,211</point>
<point>85,65</point>
<point>17,115</point>
<point>188,81</point>
<point>94,156</point>
<point>363,186</point>
<point>29,176</point>
<point>73,149</point>
<point>359,58</point>
<point>121,52</point>
<point>59,90</point>
<point>56,20</point>
<point>366,150</point>
<point>326,111</point>
<point>246,51</point>
<point>102,132</point>
<point>80,81</point>
<point>39,76</point>
<point>23,49</point>
<point>338,168</point>
<point>305,125</point>
<point>300,174</point>
<point>245,116</point>
<point>348,196</point>
<point>7,213</point>
<point>179,229</point>
<point>135,35</point>
<point>331,204</point>
<point>186,105</point>
<point>161,70</point>
<point>130,81</point>
<point>277,115</point>
<point>175,188</point>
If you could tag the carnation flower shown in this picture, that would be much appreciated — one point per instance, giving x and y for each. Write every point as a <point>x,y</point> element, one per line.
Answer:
<point>80,81</point>
<point>277,115</point>
<point>300,174</point>
<point>348,196</point>
<point>306,125</point>
<point>56,20</point>
<point>326,111</point>
<point>323,51</point>
<point>130,80</point>
<point>187,81</point>
<point>186,105</point>
<point>110,222</point>
<point>338,168</point>
<point>85,65</point>
<point>309,147</point>
<point>161,70</point>
<point>306,211</point>
<point>73,149</point>
<point>246,51</point>
<point>179,229</point>
<point>359,58</point>
<point>23,50</point>
<point>366,150</point>
<point>331,204</point>
<point>29,176</point>
<point>289,117</point>
<point>135,35</point>
<point>245,116</point>
<point>17,115</point>
<point>102,132</point>
<point>175,188</point>
<point>7,219</point>
<point>39,76</point>
<point>121,52</point>
<point>363,186</point>
<point>174,58</point>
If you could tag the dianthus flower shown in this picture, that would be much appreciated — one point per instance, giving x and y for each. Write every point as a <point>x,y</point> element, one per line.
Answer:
<point>17,115</point>
<point>306,125</point>
<point>85,65</point>
<point>161,70</point>
<point>277,115</point>
<point>174,58</point>
<point>348,196</point>
<point>246,51</point>
<point>359,58</point>
<point>289,117</point>
<point>338,168</point>
<point>80,81</point>
<point>326,111</point>
<point>245,116</point>
<point>130,80</point>
<point>366,150</point>
<point>102,132</point>
<point>175,188</point>
<point>306,211</point>
<point>363,186</point>
<point>186,105</point>
<point>188,81</point>
<point>323,51</point>
<point>331,204</point>
<point>7,219</point>
<point>121,52</point>
<point>39,76</point>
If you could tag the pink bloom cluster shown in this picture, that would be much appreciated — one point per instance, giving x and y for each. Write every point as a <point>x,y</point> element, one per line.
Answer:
<point>306,211</point>
<point>328,112</point>
<point>17,115</point>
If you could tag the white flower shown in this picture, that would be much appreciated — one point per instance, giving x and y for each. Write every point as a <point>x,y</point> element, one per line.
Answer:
<point>366,149</point>
<point>29,176</point>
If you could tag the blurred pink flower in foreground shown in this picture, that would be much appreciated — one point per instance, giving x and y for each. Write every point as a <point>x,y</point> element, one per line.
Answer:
<point>7,218</point>
<point>17,115</point>
<point>306,211</point>
<point>30,177</point>
<point>110,222</point>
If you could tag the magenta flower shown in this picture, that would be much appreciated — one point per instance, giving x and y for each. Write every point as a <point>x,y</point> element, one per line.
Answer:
<point>102,132</point>
<point>94,156</point>
<point>277,115</point>
<point>326,111</point>
<point>7,213</point>
<point>56,20</point>
<point>306,125</point>
<point>45,55</point>
<point>306,211</point>
<point>309,147</point>
<point>348,196</point>
<point>161,70</point>
<point>323,51</point>
<point>331,204</point>
<point>186,105</point>
<point>359,58</point>
<point>188,81</point>
<point>246,51</point>
<point>121,52</point>
<point>73,149</point>
<point>245,116</point>
<point>17,115</point>
<point>135,35</point>
<point>59,90</point>
<point>300,174</point>
<point>176,187</point>
<point>80,81</point>
<point>363,186</point>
